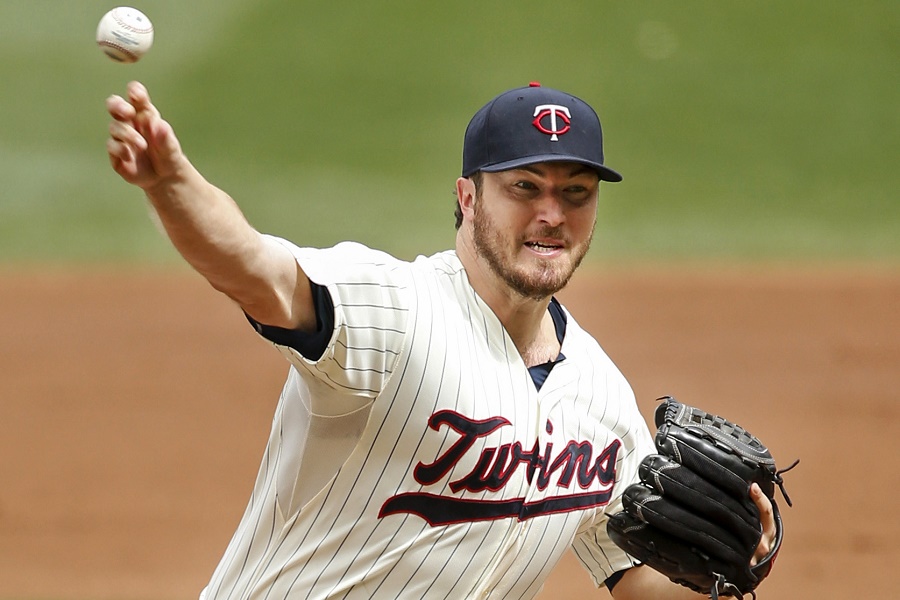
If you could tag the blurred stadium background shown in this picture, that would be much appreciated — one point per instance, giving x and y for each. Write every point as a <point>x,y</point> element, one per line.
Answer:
<point>754,136</point>
<point>745,131</point>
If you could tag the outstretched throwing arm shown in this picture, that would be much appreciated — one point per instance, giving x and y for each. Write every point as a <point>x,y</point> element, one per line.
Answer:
<point>203,222</point>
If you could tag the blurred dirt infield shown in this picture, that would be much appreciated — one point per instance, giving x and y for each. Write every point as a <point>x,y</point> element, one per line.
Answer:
<point>134,409</point>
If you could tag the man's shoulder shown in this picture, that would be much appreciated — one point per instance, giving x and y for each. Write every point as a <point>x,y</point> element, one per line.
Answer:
<point>442,262</point>
<point>355,252</point>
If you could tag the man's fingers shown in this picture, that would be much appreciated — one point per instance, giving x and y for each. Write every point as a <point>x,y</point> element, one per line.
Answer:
<point>147,119</point>
<point>767,521</point>
<point>140,99</point>
<point>766,513</point>
<point>125,133</point>
<point>119,108</point>
<point>121,157</point>
<point>142,146</point>
<point>138,93</point>
<point>137,105</point>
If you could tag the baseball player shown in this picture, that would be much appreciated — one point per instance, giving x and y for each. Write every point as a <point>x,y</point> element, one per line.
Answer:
<point>446,429</point>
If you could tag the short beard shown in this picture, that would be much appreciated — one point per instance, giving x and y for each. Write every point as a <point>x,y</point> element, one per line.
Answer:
<point>489,242</point>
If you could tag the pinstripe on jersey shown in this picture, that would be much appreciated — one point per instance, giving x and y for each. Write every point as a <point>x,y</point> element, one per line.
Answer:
<point>416,458</point>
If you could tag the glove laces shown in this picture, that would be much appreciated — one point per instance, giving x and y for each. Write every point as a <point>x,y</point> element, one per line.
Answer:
<point>721,586</point>
<point>779,480</point>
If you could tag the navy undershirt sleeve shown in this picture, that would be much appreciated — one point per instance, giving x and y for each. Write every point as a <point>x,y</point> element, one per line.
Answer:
<point>613,579</point>
<point>309,345</point>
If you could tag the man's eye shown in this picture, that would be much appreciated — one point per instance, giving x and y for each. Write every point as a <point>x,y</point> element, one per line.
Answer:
<point>579,194</point>
<point>525,185</point>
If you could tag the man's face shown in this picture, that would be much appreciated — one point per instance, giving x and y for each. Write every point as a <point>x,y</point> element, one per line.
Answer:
<point>533,225</point>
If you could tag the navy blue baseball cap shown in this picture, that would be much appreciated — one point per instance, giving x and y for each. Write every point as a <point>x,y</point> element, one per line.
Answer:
<point>530,125</point>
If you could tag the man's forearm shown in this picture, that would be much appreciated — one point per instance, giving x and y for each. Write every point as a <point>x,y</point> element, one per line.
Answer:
<point>209,230</point>
<point>643,583</point>
<point>204,224</point>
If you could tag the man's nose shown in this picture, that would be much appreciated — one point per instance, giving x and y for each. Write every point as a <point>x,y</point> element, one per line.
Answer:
<point>550,209</point>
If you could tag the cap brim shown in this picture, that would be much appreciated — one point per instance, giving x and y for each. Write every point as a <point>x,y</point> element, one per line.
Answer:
<point>605,173</point>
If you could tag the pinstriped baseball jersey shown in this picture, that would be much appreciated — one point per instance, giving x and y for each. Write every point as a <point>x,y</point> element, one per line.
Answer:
<point>418,459</point>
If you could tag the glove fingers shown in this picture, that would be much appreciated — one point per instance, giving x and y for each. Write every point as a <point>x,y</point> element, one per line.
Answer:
<point>721,468</point>
<point>714,448</point>
<point>669,517</point>
<point>691,517</point>
<point>681,485</point>
<point>658,550</point>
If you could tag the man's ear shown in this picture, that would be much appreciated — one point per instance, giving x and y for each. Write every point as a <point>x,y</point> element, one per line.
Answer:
<point>465,195</point>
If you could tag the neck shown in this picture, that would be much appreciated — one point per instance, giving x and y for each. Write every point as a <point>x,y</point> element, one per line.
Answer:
<point>526,320</point>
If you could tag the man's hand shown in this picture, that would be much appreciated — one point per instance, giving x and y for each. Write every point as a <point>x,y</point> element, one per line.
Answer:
<point>142,147</point>
<point>203,223</point>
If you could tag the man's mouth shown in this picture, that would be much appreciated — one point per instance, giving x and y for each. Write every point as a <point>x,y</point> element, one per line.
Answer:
<point>543,248</point>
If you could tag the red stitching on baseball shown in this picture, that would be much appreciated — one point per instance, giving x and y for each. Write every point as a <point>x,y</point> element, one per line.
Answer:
<point>123,50</point>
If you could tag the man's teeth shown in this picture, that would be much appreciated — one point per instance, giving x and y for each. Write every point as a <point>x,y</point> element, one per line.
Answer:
<point>539,246</point>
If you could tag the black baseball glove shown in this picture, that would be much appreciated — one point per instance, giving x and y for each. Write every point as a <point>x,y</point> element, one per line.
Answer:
<point>691,517</point>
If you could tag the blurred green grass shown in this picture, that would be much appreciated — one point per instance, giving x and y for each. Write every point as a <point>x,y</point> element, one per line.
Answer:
<point>751,131</point>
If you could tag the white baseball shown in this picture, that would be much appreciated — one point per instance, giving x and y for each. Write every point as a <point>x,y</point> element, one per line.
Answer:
<point>125,34</point>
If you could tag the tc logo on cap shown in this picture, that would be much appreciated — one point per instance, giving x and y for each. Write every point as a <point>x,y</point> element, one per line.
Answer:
<point>554,113</point>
